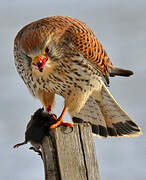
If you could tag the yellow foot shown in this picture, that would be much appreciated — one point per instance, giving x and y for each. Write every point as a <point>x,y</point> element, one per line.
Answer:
<point>58,123</point>
<point>54,116</point>
<point>67,124</point>
<point>60,120</point>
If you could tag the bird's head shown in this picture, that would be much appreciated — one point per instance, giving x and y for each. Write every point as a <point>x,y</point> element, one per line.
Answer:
<point>39,46</point>
<point>45,43</point>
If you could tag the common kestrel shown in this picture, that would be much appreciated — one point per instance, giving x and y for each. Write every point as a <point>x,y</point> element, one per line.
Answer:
<point>61,55</point>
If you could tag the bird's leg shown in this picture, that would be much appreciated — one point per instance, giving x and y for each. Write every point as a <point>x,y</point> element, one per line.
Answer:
<point>60,120</point>
<point>49,110</point>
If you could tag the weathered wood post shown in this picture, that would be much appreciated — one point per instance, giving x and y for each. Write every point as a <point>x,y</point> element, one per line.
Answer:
<point>70,155</point>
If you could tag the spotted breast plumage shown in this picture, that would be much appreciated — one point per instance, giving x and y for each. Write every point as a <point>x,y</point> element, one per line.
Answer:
<point>61,55</point>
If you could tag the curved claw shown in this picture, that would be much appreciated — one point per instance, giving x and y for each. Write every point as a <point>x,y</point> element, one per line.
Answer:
<point>59,122</point>
<point>67,124</point>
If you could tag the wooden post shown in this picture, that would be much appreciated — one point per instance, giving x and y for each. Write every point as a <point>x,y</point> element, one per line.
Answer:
<point>70,154</point>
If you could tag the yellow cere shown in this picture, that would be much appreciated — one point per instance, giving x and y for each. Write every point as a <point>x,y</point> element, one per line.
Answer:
<point>36,59</point>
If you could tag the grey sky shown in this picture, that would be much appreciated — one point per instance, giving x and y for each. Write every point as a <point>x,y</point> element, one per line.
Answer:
<point>121,28</point>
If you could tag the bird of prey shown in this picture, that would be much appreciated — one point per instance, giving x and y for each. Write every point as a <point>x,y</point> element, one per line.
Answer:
<point>61,55</point>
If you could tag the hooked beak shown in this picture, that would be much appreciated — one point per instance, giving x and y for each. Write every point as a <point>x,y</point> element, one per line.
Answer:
<point>39,62</point>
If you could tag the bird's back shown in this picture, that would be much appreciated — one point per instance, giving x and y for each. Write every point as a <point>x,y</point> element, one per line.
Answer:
<point>83,39</point>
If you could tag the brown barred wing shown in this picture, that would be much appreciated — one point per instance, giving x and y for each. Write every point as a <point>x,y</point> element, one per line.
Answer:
<point>87,44</point>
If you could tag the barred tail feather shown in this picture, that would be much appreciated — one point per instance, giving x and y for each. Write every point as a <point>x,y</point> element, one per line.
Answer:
<point>106,117</point>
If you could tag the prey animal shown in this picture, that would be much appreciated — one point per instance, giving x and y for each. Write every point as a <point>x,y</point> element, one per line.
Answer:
<point>37,128</point>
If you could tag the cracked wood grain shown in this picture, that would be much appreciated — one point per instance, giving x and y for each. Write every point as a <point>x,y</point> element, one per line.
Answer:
<point>70,154</point>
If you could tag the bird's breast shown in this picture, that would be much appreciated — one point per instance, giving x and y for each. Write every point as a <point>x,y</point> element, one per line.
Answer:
<point>62,78</point>
<point>67,77</point>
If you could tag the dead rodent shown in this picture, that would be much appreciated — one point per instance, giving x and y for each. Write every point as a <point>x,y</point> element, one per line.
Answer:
<point>37,128</point>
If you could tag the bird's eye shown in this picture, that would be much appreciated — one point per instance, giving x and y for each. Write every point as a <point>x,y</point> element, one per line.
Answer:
<point>47,50</point>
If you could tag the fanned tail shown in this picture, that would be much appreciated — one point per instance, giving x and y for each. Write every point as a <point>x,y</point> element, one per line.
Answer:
<point>106,117</point>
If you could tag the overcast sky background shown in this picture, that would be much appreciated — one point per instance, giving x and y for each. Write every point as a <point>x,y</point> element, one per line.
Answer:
<point>120,25</point>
